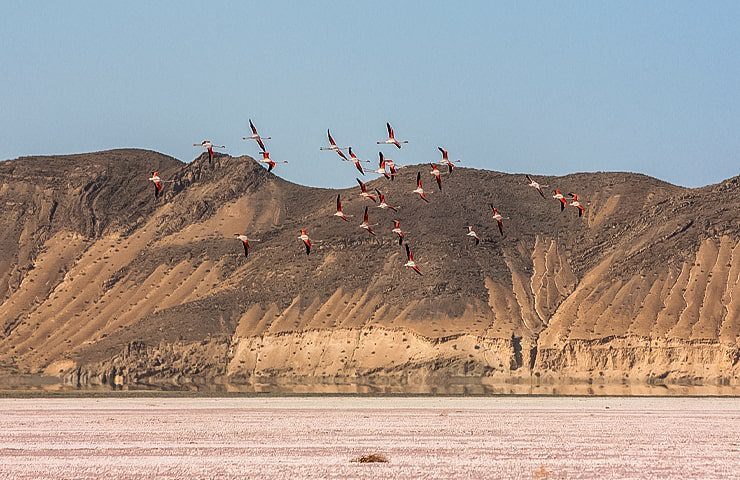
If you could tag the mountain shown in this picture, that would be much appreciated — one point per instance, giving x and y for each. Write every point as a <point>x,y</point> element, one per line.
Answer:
<point>102,284</point>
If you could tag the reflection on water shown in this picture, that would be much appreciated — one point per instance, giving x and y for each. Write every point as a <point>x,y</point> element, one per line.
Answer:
<point>37,385</point>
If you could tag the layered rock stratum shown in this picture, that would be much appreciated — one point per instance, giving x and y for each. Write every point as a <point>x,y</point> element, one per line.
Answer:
<point>101,284</point>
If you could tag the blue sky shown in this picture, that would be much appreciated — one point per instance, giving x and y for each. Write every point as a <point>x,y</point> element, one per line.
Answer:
<point>539,87</point>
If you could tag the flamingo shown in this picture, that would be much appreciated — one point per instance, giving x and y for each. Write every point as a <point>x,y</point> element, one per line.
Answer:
<point>245,240</point>
<point>157,184</point>
<point>471,233</point>
<point>256,136</point>
<point>577,204</point>
<point>391,168</point>
<point>419,188</point>
<point>499,219</point>
<point>384,205</point>
<point>446,160</point>
<point>559,196</point>
<point>381,166</point>
<point>333,147</point>
<point>536,185</point>
<point>437,175</point>
<point>340,213</point>
<point>209,146</point>
<point>364,193</point>
<point>391,140</point>
<point>397,230</point>
<point>365,225</point>
<point>270,162</point>
<point>357,161</point>
<point>306,241</point>
<point>410,260</point>
<point>386,162</point>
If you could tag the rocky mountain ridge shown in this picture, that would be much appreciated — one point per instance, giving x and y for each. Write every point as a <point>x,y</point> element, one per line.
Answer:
<point>101,284</point>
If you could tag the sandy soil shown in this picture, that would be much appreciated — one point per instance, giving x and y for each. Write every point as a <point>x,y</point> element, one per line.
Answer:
<point>316,437</point>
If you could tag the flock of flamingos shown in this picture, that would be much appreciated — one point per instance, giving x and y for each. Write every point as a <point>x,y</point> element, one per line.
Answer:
<point>386,168</point>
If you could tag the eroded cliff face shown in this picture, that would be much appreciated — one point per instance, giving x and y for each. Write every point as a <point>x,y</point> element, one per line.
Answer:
<point>645,289</point>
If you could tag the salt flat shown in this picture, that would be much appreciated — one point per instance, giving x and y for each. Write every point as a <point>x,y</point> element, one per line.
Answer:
<point>422,437</point>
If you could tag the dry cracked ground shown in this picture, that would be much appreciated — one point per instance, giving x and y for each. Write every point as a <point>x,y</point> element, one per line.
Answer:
<point>435,438</point>
<point>102,285</point>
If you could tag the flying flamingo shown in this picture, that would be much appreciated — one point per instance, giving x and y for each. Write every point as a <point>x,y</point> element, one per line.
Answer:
<point>471,233</point>
<point>536,185</point>
<point>381,166</point>
<point>386,162</point>
<point>306,241</point>
<point>270,162</point>
<point>410,260</point>
<point>577,204</point>
<point>559,196</point>
<point>446,160</point>
<point>419,188</point>
<point>209,146</point>
<point>391,140</point>
<point>365,225</point>
<point>364,193</point>
<point>340,213</point>
<point>391,168</point>
<point>245,240</point>
<point>357,161</point>
<point>384,205</point>
<point>333,147</point>
<point>397,230</point>
<point>499,219</point>
<point>256,136</point>
<point>437,175</point>
<point>157,184</point>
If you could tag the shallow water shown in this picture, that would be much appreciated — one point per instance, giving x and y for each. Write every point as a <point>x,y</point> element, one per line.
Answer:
<point>317,437</point>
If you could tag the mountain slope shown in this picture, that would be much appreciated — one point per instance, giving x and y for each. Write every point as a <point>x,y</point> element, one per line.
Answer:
<point>104,284</point>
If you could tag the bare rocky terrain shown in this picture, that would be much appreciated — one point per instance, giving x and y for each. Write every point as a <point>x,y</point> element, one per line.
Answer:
<point>102,285</point>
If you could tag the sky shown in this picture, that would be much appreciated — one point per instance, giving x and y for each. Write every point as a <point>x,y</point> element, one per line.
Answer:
<point>546,88</point>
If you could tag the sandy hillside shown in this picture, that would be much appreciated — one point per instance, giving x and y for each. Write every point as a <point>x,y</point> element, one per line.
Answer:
<point>101,284</point>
